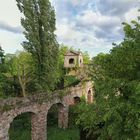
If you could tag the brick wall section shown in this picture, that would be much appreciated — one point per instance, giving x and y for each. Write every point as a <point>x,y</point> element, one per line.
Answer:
<point>63,117</point>
<point>11,108</point>
<point>39,123</point>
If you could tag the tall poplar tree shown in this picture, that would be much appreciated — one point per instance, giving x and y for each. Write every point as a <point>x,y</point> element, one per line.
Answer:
<point>39,25</point>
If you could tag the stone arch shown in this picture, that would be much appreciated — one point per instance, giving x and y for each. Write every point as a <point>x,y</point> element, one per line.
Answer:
<point>9,116</point>
<point>62,114</point>
<point>21,124</point>
<point>15,113</point>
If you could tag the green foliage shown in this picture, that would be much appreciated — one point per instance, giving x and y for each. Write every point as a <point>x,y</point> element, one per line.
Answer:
<point>86,58</point>
<point>21,127</point>
<point>55,133</point>
<point>39,25</point>
<point>23,69</point>
<point>64,80</point>
<point>115,113</point>
<point>61,71</point>
<point>1,56</point>
<point>18,73</point>
<point>70,81</point>
<point>6,83</point>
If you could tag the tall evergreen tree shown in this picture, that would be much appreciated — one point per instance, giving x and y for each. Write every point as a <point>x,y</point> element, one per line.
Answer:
<point>39,25</point>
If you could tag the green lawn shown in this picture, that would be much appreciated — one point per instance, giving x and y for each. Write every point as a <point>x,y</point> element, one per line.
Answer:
<point>20,134</point>
<point>54,133</point>
<point>20,128</point>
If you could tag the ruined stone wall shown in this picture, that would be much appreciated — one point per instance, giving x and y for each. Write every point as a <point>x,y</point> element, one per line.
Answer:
<point>39,106</point>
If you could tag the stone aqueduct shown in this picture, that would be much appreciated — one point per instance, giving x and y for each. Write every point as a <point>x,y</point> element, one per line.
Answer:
<point>39,106</point>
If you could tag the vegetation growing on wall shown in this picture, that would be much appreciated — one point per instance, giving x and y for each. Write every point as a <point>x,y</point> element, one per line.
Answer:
<point>39,25</point>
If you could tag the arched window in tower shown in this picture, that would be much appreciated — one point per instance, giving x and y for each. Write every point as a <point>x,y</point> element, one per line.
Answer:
<point>71,61</point>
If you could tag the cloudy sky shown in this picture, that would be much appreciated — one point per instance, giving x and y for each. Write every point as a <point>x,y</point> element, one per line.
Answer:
<point>89,25</point>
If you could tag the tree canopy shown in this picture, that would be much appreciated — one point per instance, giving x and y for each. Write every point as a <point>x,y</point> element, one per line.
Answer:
<point>115,113</point>
<point>39,25</point>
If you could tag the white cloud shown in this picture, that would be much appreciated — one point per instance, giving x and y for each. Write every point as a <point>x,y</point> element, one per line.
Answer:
<point>9,12</point>
<point>10,42</point>
<point>90,17</point>
<point>116,7</point>
<point>78,2</point>
<point>86,24</point>
<point>132,14</point>
<point>81,39</point>
<point>7,27</point>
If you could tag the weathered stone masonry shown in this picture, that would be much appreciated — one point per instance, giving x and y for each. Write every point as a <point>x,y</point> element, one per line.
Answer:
<point>39,106</point>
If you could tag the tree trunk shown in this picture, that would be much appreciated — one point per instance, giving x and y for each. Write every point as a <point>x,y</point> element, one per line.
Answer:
<point>23,90</point>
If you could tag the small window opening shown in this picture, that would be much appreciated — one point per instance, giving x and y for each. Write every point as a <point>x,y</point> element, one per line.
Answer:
<point>71,61</point>
<point>77,100</point>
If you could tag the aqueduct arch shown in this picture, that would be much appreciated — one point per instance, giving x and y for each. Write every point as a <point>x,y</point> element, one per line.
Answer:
<point>8,118</point>
<point>17,125</point>
<point>63,110</point>
<point>39,106</point>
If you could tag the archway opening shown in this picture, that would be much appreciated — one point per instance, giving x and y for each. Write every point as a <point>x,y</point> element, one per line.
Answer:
<point>57,122</point>
<point>80,61</point>
<point>73,114</point>
<point>52,116</point>
<point>76,100</point>
<point>89,96</point>
<point>53,129</point>
<point>71,61</point>
<point>20,128</point>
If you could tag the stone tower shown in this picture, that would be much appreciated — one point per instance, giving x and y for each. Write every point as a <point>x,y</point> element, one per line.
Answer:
<point>73,59</point>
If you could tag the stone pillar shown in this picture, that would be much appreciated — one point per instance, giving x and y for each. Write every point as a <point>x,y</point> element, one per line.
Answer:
<point>4,131</point>
<point>39,123</point>
<point>63,117</point>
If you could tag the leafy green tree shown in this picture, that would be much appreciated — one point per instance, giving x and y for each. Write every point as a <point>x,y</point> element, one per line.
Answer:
<point>23,66</point>
<point>115,113</point>
<point>39,25</point>
<point>86,57</point>
<point>18,73</point>
<point>61,72</point>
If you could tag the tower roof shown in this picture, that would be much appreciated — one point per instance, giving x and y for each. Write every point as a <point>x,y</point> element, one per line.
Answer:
<point>72,53</point>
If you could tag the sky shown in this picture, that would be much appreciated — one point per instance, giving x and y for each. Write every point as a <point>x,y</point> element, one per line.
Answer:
<point>88,25</point>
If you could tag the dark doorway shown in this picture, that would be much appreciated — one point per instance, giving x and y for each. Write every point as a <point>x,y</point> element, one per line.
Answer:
<point>77,100</point>
<point>20,128</point>
<point>71,61</point>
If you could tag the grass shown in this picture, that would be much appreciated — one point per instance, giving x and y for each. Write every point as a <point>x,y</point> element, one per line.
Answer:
<point>20,128</point>
<point>20,134</point>
<point>55,133</point>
